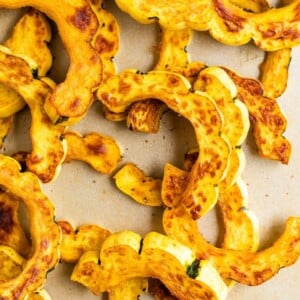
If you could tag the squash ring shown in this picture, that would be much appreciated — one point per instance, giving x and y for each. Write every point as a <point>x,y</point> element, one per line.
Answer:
<point>119,92</point>
<point>44,231</point>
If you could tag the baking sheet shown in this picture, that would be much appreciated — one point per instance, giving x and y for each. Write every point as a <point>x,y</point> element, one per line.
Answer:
<point>83,196</point>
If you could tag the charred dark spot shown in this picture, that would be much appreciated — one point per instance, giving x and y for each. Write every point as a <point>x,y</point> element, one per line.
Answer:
<point>35,73</point>
<point>296,14</point>
<point>195,212</point>
<point>65,229</point>
<point>157,289</point>
<point>174,81</point>
<point>233,23</point>
<point>6,218</point>
<point>21,157</point>
<point>99,148</point>
<point>102,45</point>
<point>154,18</point>
<point>111,27</point>
<point>44,244</point>
<point>75,104</point>
<point>82,18</point>
<point>291,33</point>
<point>34,159</point>
<point>282,152</point>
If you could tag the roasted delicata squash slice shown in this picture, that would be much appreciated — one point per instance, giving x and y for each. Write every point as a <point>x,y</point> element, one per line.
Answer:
<point>269,122</point>
<point>76,24</point>
<point>174,183</point>
<point>106,43</point>
<point>126,255</point>
<point>48,146</point>
<point>30,37</point>
<point>241,231</point>
<point>274,72</point>
<point>247,267</point>
<point>99,151</point>
<point>216,82</point>
<point>32,32</point>
<point>172,49</point>
<point>11,232</point>
<point>225,21</point>
<point>107,37</point>
<point>45,233</point>
<point>133,182</point>
<point>75,242</point>
<point>119,92</point>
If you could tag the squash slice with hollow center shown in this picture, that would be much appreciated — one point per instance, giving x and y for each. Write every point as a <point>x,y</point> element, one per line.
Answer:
<point>45,233</point>
<point>199,108</point>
